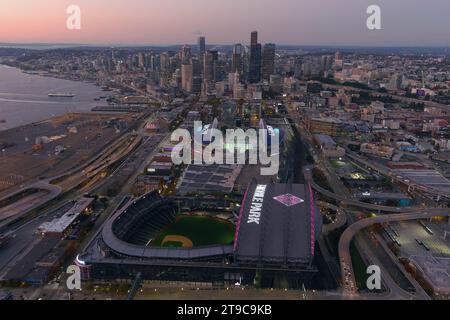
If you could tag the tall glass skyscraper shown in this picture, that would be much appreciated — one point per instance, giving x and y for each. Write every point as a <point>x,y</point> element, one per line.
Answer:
<point>201,45</point>
<point>268,63</point>
<point>210,59</point>
<point>254,74</point>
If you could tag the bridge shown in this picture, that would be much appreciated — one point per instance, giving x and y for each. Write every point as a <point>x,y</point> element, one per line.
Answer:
<point>356,203</point>
<point>397,214</point>
<point>398,178</point>
<point>348,274</point>
<point>382,196</point>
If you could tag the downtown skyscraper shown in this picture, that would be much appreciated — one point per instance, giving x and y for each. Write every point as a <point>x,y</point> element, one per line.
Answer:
<point>201,53</point>
<point>254,74</point>
<point>201,45</point>
<point>236,62</point>
<point>209,66</point>
<point>187,68</point>
<point>268,61</point>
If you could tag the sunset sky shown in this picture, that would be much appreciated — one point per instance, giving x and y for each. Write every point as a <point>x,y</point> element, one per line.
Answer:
<point>158,22</point>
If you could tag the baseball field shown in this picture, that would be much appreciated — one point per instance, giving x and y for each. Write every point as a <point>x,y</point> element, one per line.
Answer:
<point>195,231</point>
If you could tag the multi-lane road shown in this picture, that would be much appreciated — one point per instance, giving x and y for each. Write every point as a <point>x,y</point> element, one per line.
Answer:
<point>346,238</point>
<point>399,214</point>
<point>356,203</point>
<point>24,233</point>
<point>398,178</point>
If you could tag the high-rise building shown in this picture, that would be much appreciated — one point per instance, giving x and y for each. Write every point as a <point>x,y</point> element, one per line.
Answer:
<point>254,74</point>
<point>186,54</point>
<point>326,62</point>
<point>165,62</point>
<point>268,63</point>
<point>215,54</point>
<point>220,70</point>
<point>187,68</point>
<point>254,38</point>
<point>196,64</point>
<point>201,52</point>
<point>187,76</point>
<point>236,61</point>
<point>209,61</point>
<point>141,60</point>
<point>154,63</point>
<point>201,45</point>
<point>196,85</point>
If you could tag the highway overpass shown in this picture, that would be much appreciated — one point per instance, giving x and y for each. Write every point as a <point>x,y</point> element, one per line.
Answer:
<point>348,275</point>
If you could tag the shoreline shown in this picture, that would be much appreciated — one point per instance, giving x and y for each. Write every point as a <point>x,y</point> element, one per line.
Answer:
<point>36,123</point>
<point>44,74</point>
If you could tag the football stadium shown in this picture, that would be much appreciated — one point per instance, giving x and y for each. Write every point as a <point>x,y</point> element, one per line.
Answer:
<point>272,234</point>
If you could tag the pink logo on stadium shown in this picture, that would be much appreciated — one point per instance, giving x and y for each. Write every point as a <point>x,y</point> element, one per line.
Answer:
<point>289,200</point>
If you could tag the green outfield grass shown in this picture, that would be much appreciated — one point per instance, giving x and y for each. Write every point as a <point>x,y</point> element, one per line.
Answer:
<point>173,244</point>
<point>202,231</point>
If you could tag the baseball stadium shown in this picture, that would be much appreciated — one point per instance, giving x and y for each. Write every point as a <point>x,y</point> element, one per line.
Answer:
<point>195,230</point>
<point>272,233</point>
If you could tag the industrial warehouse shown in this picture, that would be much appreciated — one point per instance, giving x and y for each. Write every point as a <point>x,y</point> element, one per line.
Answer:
<point>272,234</point>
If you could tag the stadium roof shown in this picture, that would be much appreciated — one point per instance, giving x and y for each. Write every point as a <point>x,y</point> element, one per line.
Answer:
<point>277,225</point>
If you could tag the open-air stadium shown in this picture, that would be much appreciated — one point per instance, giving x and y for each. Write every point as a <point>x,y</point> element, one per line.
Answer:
<point>274,233</point>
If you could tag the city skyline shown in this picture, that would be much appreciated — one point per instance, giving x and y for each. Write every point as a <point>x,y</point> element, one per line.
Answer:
<point>224,150</point>
<point>170,22</point>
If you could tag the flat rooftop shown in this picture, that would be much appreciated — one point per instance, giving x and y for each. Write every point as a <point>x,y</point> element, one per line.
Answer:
<point>429,178</point>
<point>61,224</point>
<point>209,178</point>
<point>436,271</point>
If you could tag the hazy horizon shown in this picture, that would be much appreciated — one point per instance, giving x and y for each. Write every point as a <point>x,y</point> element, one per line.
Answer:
<point>174,22</point>
<point>137,45</point>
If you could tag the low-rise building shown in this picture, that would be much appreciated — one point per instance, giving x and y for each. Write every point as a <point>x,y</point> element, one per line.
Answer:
<point>328,126</point>
<point>61,225</point>
<point>328,146</point>
<point>377,150</point>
